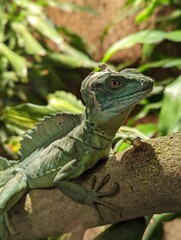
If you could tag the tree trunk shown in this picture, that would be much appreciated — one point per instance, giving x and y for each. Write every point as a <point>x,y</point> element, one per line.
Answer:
<point>149,175</point>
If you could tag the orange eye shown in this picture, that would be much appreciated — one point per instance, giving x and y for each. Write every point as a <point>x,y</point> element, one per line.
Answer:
<point>115,84</point>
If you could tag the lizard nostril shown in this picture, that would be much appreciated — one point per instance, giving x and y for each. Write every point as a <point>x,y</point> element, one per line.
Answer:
<point>142,81</point>
<point>146,83</point>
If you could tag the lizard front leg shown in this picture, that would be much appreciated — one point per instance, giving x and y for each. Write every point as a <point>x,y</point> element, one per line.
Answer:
<point>92,196</point>
<point>10,193</point>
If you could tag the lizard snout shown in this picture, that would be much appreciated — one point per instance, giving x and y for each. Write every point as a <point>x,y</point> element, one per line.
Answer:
<point>147,83</point>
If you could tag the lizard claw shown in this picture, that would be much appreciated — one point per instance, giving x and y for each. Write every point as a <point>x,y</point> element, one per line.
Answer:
<point>98,195</point>
<point>106,179</point>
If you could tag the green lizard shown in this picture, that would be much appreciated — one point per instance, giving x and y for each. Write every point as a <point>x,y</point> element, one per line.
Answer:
<point>63,145</point>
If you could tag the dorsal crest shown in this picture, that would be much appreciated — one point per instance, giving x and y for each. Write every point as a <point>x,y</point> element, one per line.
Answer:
<point>48,130</point>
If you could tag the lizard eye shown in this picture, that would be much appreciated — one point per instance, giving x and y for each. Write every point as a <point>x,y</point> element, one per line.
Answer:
<point>114,84</point>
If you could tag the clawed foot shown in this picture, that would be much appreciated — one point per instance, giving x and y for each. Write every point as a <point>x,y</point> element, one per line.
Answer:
<point>91,197</point>
<point>98,195</point>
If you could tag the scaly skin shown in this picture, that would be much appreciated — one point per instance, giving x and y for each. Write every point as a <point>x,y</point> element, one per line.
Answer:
<point>109,96</point>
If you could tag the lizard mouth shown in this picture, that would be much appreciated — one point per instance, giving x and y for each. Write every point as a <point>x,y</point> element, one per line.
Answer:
<point>127,101</point>
<point>137,95</point>
<point>141,93</point>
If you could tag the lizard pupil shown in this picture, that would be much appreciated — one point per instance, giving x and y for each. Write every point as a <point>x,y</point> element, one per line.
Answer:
<point>115,84</point>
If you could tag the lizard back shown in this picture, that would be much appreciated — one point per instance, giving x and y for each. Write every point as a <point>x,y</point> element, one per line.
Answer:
<point>51,128</point>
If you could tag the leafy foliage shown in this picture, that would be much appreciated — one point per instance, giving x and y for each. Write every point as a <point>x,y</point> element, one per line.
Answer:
<point>30,69</point>
<point>144,37</point>
<point>170,115</point>
<point>25,52</point>
<point>24,116</point>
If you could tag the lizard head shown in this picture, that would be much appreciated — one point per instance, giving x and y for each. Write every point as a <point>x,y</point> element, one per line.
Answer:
<point>111,95</point>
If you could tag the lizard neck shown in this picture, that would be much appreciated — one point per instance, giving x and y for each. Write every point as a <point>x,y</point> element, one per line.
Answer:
<point>106,123</point>
<point>111,126</point>
<point>92,135</point>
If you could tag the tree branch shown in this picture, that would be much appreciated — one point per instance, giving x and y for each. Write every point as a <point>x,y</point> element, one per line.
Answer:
<point>150,182</point>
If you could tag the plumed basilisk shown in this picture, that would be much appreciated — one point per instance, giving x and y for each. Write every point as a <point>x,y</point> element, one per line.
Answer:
<point>63,146</point>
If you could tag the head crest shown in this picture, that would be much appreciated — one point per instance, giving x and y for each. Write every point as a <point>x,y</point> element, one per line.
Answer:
<point>86,84</point>
<point>105,68</point>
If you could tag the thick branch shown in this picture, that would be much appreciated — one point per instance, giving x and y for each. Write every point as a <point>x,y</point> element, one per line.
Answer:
<point>150,182</point>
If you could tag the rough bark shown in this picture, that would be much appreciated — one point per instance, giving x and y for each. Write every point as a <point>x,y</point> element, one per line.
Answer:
<point>150,182</point>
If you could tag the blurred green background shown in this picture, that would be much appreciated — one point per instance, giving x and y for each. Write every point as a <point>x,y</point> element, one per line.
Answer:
<point>42,65</point>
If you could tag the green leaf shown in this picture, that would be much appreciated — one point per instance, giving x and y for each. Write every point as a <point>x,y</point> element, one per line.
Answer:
<point>10,75</point>
<point>164,63</point>
<point>3,22</point>
<point>147,108</point>
<point>71,61</point>
<point>149,129</point>
<point>44,26</point>
<point>174,36</point>
<point>24,116</point>
<point>79,56</point>
<point>156,221</point>
<point>146,36</point>
<point>147,51</point>
<point>76,40</point>
<point>170,115</point>
<point>18,62</point>
<point>30,6</point>
<point>142,37</point>
<point>47,30</point>
<point>72,7</point>
<point>65,59</point>
<point>121,146</point>
<point>66,102</point>
<point>127,230</point>
<point>32,46</point>
<point>147,12</point>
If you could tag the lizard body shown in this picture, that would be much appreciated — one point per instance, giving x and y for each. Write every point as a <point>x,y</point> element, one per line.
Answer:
<point>64,145</point>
